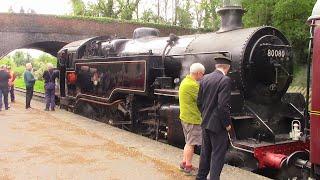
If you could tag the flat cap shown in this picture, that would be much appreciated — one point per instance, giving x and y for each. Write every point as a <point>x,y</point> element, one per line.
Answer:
<point>221,59</point>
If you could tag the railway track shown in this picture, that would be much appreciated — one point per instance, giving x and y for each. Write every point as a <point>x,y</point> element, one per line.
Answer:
<point>38,96</point>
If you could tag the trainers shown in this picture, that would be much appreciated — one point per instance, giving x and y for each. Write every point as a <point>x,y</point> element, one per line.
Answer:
<point>46,109</point>
<point>182,166</point>
<point>190,171</point>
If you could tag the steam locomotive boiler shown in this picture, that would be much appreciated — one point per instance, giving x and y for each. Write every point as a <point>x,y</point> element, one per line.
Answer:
<point>133,84</point>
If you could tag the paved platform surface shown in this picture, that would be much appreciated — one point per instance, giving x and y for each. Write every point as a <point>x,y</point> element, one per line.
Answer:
<point>36,144</point>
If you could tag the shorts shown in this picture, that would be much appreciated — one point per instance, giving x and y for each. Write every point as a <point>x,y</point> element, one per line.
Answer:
<point>192,133</point>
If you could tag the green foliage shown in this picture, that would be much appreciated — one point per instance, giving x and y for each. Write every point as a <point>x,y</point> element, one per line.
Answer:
<point>78,7</point>
<point>290,17</point>
<point>102,8</point>
<point>149,16</point>
<point>110,20</point>
<point>20,58</point>
<point>19,71</point>
<point>127,8</point>
<point>211,19</point>
<point>7,61</point>
<point>300,75</point>
<point>183,15</point>
<point>38,86</point>
<point>259,12</point>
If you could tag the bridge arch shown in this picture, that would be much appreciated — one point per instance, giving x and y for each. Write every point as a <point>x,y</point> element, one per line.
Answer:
<point>50,33</point>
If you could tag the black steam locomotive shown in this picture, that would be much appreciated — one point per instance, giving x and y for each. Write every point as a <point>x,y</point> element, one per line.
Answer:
<point>133,84</point>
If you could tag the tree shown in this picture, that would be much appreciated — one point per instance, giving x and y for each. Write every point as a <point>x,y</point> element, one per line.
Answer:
<point>19,58</point>
<point>21,10</point>
<point>7,61</point>
<point>290,17</point>
<point>10,10</point>
<point>127,8</point>
<point>149,16</point>
<point>259,12</point>
<point>78,7</point>
<point>102,8</point>
<point>211,18</point>
<point>184,18</point>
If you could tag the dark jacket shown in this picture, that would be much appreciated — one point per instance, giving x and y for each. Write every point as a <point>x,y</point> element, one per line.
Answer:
<point>213,101</point>
<point>4,78</point>
<point>50,76</point>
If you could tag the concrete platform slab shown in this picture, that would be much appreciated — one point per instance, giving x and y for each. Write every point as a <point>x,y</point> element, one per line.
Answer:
<point>36,144</point>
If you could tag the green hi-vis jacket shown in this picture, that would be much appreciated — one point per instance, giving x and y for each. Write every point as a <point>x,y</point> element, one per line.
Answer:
<point>188,94</point>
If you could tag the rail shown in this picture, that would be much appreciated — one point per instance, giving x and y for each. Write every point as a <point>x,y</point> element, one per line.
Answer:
<point>39,96</point>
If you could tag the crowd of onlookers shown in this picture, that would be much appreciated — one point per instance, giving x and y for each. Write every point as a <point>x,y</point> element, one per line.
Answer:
<point>7,79</point>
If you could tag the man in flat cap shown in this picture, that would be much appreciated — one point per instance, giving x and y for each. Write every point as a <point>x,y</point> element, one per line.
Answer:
<point>213,102</point>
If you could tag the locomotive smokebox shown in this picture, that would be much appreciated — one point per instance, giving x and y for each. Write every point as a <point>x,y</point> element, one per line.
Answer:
<point>231,16</point>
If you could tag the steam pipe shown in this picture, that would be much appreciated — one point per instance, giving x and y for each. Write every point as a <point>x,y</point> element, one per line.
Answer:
<point>306,112</point>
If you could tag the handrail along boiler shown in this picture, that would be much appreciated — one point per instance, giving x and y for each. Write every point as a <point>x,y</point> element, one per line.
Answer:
<point>133,83</point>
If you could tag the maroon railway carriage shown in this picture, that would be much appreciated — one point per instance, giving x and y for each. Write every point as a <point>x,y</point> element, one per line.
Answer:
<point>314,22</point>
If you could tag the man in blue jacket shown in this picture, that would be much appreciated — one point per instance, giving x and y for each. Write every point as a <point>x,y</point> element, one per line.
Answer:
<point>213,102</point>
<point>49,77</point>
<point>29,80</point>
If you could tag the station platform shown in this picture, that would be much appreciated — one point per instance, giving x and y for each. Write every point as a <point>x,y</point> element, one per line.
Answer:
<point>38,144</point>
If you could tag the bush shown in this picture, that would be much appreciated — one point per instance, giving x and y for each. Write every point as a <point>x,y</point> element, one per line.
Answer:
<point>19,71</point>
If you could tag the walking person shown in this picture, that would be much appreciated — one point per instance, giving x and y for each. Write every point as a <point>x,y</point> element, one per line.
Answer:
<point>29,81</point>
<point>11,84</point>
<point>190,115</point>
<point>4,87</point>
<point>213,102</point>
<point>49,77</point>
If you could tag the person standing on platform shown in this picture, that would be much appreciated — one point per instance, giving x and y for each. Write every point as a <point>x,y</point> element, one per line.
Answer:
<point>11,83</point>
<point>29,81</point>
<point>49,77</point>
<point>190,115</point>
<point>4,87</point>
<point>213,102</point>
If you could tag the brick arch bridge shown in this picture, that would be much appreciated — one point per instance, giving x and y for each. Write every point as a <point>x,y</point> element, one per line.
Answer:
<point>50,33</point>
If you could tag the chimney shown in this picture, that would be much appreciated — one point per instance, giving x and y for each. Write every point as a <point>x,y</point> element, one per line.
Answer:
<point>231,16</point>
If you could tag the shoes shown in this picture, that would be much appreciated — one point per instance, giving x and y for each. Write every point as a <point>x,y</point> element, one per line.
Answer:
<point>52,110</point>
<point>190,171</point>
<point>46,109</point>
<point>182,166</point>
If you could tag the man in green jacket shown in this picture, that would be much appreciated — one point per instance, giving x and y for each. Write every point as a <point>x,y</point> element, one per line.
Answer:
<point>190,115</point>
<point>29,80</point>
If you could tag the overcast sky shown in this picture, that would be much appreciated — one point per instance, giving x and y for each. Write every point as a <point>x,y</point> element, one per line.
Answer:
<point>40,6</point>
